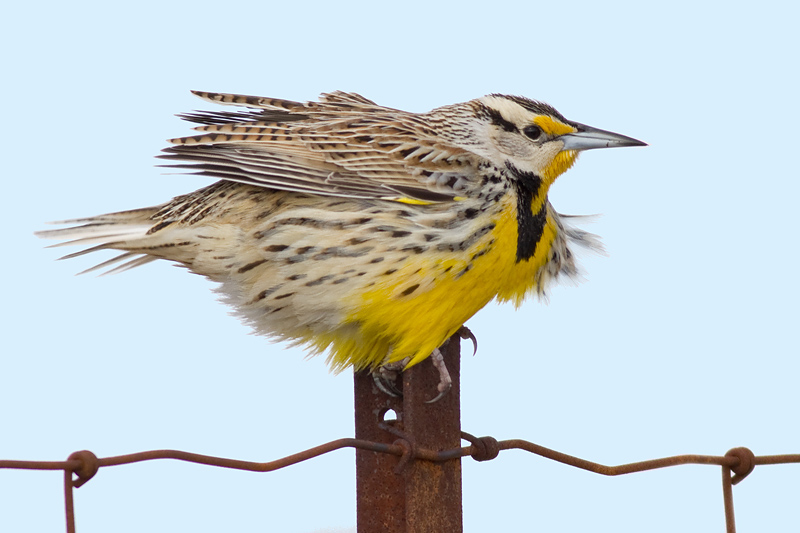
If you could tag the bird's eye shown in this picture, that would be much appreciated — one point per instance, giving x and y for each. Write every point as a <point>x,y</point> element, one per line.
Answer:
<point>532,132</point>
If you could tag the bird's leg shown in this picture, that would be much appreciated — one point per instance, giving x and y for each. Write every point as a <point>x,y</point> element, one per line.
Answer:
<point>445,381</point>
<point>385,377</point>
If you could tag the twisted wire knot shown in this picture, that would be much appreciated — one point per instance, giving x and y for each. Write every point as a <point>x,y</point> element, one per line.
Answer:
<point>88,468</point>
<point>485,448</point>
<point>746,463</point>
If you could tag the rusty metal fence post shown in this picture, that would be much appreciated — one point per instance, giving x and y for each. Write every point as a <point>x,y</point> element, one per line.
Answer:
<point>408,467</point>
<point>396,495</point>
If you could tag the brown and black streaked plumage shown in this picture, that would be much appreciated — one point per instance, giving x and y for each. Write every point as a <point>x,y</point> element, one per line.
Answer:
<point>364,231</point>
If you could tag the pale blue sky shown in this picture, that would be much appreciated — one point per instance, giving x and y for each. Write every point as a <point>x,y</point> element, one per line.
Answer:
<point>682,340</point>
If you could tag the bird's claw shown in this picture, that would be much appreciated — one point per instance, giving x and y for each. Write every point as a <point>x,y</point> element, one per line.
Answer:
<point>465,333</point>
<point>385,378</point>
<point>443,389</point>
<point>386,375</point>
<point>386,386</point>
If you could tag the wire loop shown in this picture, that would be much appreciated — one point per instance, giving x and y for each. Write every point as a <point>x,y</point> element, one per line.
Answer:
<point>88,468</point>
<point>485,448</point>
<point>747,462</point>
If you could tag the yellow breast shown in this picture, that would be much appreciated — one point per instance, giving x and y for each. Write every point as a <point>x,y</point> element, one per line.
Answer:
<point>446,289</point>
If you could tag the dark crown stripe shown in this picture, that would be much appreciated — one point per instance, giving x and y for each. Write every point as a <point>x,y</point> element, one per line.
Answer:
<point>540,108</point>
<point>496,118</point>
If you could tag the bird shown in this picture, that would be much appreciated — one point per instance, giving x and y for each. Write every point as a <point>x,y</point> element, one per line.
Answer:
<point>359,231</point>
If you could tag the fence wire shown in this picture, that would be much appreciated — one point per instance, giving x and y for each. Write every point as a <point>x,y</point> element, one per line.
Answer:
<point>81,466</point>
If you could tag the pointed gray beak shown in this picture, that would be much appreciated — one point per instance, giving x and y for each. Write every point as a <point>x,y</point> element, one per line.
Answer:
<point>589,138</point>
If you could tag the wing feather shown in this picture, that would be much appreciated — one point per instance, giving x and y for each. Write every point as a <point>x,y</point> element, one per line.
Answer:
<point>343,145</point>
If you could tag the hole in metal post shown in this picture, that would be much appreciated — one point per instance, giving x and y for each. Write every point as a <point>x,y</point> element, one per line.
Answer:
<point>388,415</point>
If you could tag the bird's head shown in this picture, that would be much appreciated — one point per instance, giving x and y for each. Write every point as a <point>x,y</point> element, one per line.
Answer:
<point>534,137</point>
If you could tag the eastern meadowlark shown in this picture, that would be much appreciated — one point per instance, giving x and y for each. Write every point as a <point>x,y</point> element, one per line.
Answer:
<point>364,231</point>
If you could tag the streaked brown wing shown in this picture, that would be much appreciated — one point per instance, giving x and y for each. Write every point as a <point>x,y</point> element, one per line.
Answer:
<point>344,145</point>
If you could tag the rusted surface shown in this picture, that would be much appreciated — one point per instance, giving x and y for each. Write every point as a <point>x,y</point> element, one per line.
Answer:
<point>409,472</point>
<point>433,489</point>
<point>399,448</point>
<point>727,500</point>
<point>597,468</point>
<point>380,498</point>
<point>69,504</point>
<point>420,492</point>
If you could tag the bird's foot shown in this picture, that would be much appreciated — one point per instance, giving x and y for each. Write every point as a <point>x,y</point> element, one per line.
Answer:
<point>385,377</point>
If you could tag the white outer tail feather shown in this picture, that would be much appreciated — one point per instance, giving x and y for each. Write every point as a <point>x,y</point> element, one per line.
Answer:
<point>104,232</point>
